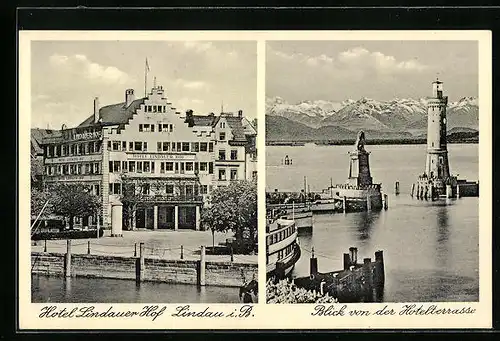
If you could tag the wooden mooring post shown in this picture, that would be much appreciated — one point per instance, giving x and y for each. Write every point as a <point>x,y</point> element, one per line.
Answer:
<point>368,276</point>
<point>140,264</point>
<point>313,263</point>
<point>379,275</point>
<point>386,202</point>
<point>67,259</point>
<point>201,267</point>
<point>396,188</point>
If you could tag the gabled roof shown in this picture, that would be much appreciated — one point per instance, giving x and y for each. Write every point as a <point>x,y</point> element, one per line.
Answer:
<point>236,128</point>
<point>203,120</point>
<point>37,135</point>
<point>115,113</point>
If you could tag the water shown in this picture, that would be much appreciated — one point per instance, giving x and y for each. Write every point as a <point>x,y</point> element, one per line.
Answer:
<point>430,248</point>
<point>45,289</point>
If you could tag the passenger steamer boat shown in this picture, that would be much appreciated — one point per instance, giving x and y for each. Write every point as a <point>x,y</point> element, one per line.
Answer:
<point>282,250</point>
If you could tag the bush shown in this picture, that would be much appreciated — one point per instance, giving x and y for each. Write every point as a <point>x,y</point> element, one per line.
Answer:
<point>286,292</point>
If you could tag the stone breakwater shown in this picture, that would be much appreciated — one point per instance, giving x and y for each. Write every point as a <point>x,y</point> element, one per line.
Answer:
<point>197,272</point>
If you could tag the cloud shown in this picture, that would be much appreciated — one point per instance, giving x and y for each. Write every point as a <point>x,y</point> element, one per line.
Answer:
<point>191,85</point>
<point>81,66</point>
<point>185,103</point>
<point>355,59</point>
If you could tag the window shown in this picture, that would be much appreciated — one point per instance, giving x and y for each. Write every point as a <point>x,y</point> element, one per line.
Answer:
<point>159,127</point>
<point>116,166</point>
<point>91,147</point>
<point>152,128</point>
<point>158,146</point>
<point>166,146</point>
<point>195,147</point>
<point>196,167</point>
<point>169,189</point>
<point>149,108</point>
<point>131,166</point>
<point>147,168</point>
<point>139,167</point>
<point>189,166</point>
<point>204,189</point>
<point>131,146</point>
<point>162,167</point>
<point>124,166</point>
<point>138,146</point>
<point>182,167</point>
<point>145,146</point>
<point>124,145</point>
<point>140,128</point>
<point>145,189</point>
<point>203,166</point>
<point>210,168</point>
<point>96,187</point>
<point>222,154</point>
<point>173,146</point>
<point>96,168</point>
<point>222,125</point>
<point>234,155</point>
<point>110,166</point>
<point>222,174</point>
<point>179,146</point>
<point>79,169</point>
<point>116,145</point>
<point>222,136</point>
<point>177,167</point>
<point>203,147</point>
<point>152,166</point>
<point>185,146</point>
<point>146,127</point>
<point>189,190</point>
<point>169,166</point>
<point>171,127</point>
<point>234,174</point>
<point>154,108</point>
<point>116,188</point>
<point>211,147</point>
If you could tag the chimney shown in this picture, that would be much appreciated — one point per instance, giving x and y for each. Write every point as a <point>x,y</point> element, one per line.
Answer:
<point>129,97</point>
<point>189,118</point>
<point>96,110</point>
<point>240,113</point>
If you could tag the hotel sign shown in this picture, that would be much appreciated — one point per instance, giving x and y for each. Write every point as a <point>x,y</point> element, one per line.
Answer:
<point>87,136</point>
<point>82,158</point>
<point>162,156</point>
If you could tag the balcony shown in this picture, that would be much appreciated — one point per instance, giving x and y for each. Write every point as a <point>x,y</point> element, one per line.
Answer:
<point>172,198</point>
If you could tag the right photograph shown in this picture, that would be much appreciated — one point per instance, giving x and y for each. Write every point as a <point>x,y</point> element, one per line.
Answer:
<point>372,171</point>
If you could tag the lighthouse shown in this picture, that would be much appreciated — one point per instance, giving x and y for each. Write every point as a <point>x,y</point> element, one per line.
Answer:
<point>437,166</point>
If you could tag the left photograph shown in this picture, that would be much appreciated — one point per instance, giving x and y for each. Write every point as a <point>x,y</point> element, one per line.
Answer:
<point>144,172</point>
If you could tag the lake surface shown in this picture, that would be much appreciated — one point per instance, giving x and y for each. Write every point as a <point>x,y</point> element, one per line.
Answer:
<point>431,249</point>
<point>45,289</point>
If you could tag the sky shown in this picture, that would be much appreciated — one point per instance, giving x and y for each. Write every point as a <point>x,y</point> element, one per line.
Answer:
<point>197,75</point>
<point>381,70</point>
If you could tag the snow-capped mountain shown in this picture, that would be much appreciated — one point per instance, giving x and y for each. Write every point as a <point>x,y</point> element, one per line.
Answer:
<point>404,114</point>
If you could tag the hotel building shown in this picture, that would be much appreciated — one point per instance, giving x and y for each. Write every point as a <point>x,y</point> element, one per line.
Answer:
<point>172,160</point>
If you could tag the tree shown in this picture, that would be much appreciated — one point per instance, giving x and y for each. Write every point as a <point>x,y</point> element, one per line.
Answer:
<point>286,292</point>
<point>38,200</point>
<point>73,200</point>
<point>233,208</point>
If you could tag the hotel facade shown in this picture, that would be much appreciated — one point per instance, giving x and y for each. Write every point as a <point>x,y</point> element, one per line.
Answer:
<point>171,160</point>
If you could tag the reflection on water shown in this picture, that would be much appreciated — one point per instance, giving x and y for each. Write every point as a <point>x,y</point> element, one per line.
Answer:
<point>430,248</point>
<point>98,290</point>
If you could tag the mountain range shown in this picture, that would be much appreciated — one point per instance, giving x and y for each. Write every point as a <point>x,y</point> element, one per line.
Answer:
<point>396,118</point>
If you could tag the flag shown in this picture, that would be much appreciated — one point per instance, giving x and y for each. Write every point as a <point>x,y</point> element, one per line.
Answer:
<point>147,65</point>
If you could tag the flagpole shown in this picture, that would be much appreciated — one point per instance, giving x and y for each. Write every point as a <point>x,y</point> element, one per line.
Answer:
<point>145,76</point>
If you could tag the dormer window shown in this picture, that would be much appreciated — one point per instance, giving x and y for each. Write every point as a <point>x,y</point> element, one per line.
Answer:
<point>223,125</point>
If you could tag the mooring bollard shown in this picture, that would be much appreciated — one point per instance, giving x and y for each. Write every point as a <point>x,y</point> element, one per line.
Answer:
<point>45,246</point>
<point>182,252</point>
<point>88,247</point>
<point>396,189</point>
<point>67,260</point>
<point>202,266</point>
<point>386,203</point>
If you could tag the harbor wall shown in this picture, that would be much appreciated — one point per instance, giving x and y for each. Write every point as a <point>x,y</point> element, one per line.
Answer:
<point>155,270</point>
